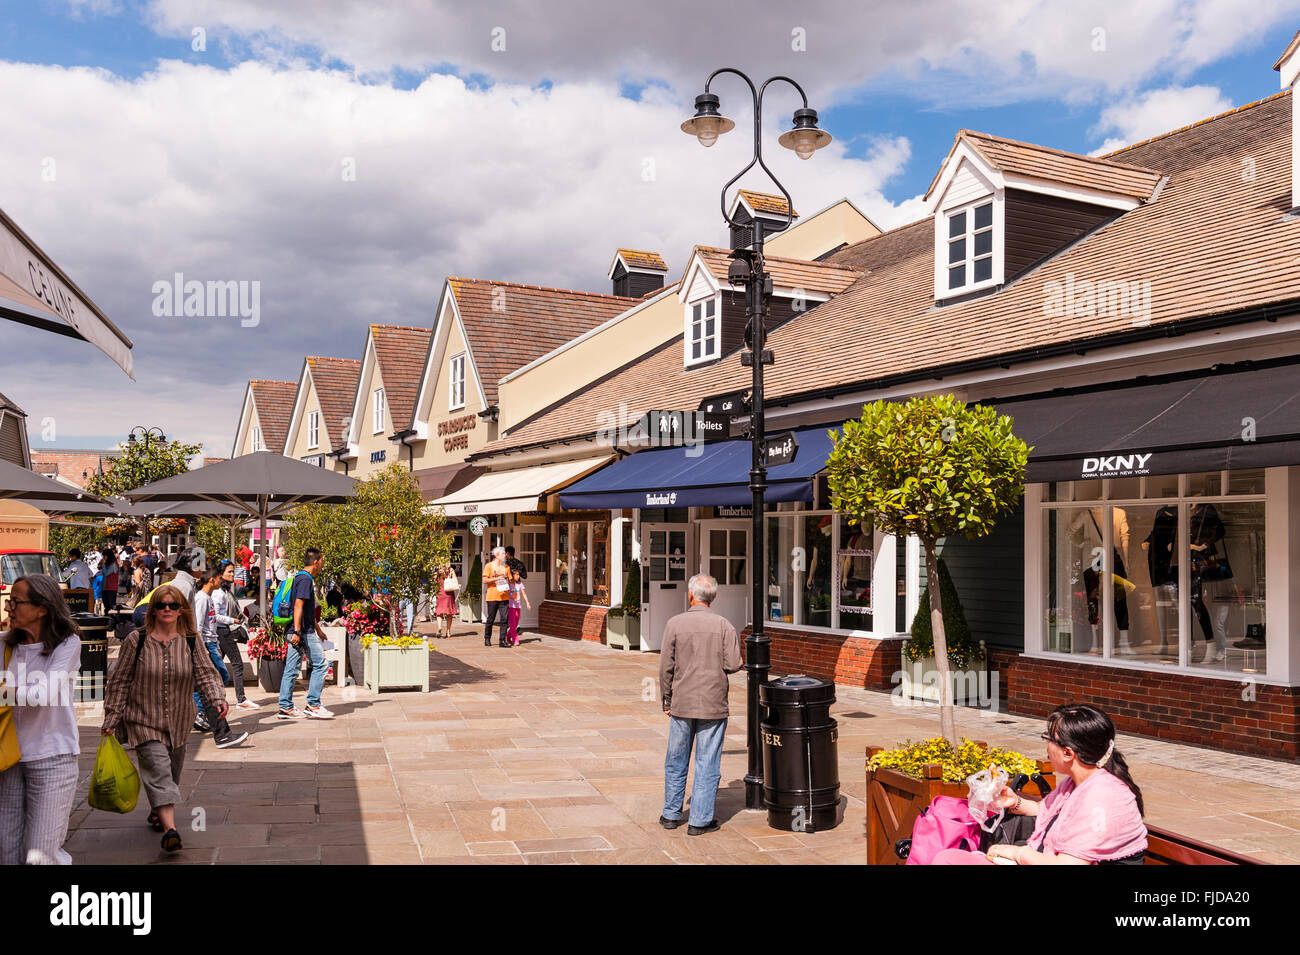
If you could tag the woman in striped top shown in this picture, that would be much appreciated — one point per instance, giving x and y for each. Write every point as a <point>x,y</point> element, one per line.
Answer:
<point>149,695</point>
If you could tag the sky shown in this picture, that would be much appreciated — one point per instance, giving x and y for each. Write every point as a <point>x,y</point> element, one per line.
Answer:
<point>341,158</point>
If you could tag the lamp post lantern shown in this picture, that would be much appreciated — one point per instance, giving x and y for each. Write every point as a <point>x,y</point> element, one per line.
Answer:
<point>748,270</point>
<point>147,434</point>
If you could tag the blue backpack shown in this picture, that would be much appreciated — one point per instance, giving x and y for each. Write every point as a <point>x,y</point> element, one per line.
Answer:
<point>282,605</point>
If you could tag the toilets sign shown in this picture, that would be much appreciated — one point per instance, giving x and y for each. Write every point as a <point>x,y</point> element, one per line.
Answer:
<point>1116,465</point>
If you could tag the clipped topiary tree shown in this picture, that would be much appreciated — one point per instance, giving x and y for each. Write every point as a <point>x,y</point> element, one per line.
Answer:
<point>962,649</point>
<point>632,590</point>
<point>933,468</point>
<point>472,591</point>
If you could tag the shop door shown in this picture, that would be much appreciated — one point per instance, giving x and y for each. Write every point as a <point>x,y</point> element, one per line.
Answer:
<point>724,555</point>
<point>530,547</point>
<point>665,548</point>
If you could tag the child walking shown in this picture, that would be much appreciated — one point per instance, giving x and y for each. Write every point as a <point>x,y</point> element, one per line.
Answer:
<point>518,594</point>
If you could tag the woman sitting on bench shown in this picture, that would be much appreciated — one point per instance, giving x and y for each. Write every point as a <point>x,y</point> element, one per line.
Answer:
<point>1093,817</point>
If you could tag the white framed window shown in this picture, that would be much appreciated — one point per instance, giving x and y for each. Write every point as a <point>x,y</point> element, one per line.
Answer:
<point>703,330</point>
<point>257,439</point>
<point>456,383</point>
<point>969,246</point>
<point>313,429</point>
<point>378,424</point>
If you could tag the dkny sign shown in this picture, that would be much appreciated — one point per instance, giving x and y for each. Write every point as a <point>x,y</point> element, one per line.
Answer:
<point>1116,465</point>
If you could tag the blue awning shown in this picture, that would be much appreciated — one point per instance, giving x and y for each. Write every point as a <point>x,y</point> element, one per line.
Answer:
<point>704,475</point>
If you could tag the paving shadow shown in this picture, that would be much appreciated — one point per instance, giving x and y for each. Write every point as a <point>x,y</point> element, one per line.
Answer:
<point>447,671</point>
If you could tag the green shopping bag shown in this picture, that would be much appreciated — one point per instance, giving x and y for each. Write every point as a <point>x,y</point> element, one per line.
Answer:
<point>114,785</point>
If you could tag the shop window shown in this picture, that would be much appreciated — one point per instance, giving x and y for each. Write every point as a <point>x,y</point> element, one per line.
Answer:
<point>1120,569</point>
<point>799,558</point>
<point>600,560</point>
<point>573,568</point>
<point>852,571</point>
<point>1246,482</point>
<point>1124,489</point>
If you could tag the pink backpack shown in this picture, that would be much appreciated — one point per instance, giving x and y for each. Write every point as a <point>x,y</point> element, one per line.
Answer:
<point>946,824</point>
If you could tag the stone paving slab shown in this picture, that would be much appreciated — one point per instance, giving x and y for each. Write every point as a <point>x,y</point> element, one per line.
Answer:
<point>549,754</point>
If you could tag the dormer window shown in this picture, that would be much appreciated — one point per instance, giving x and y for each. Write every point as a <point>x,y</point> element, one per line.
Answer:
<point>257,439</point>
<point>378,422</point>
<point>703,331</point>
<point>456,383</point>
<point>313,429</point>
<point>970,246</point>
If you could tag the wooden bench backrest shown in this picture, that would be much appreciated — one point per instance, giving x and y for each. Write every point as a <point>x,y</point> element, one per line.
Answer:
<point>1170,848</point>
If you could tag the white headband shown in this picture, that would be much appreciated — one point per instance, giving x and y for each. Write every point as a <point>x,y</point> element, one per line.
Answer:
<point>1106,756</point>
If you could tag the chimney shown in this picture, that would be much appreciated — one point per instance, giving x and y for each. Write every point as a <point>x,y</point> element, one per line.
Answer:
<point>1288,65</point>
<point>749,206</point>
<point>635,273</point>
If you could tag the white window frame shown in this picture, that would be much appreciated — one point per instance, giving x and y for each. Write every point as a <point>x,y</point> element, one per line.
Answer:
<point>257,439</point>
<point>377,422</point>
<point>942,220</point>
<point>711,344</point>
<point>313,429</point>
<point>456,383</point>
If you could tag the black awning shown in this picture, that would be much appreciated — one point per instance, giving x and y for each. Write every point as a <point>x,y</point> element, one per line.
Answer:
<point>1238,418</point>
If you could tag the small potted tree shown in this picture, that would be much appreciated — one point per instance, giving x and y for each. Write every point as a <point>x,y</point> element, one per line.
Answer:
<point>267,649</point>
<point>471,593</point>
<point>623,623</point>
<point>965,655</point>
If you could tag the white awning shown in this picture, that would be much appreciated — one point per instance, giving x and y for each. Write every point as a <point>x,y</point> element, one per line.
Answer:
<point>36,292</point>
<point>506,492</point>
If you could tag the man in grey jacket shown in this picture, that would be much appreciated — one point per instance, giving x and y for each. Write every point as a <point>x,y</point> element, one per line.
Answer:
<point>699,649</point>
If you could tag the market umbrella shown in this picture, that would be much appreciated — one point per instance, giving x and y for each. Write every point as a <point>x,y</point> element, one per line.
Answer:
<point>18,483</point>
<point>261,485</point>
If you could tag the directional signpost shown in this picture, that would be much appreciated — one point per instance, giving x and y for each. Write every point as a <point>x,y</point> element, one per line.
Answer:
<point>780,449</point>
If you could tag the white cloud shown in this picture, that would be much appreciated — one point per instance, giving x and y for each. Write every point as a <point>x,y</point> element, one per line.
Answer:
<point>238,175</point>
<point>1156,111</point>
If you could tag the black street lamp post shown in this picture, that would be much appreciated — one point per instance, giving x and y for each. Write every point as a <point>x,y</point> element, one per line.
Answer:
<point>147,434</point>
<point>748,270</point>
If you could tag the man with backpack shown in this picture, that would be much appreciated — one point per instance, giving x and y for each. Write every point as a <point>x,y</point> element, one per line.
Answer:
<point>295,604</point>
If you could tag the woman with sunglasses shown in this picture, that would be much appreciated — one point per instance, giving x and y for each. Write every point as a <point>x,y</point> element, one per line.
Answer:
<point>1093,817</point>
<point>149,694</point>
<point>41,657</point>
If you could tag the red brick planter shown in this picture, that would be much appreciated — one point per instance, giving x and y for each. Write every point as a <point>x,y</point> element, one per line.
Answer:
<point>850,661</point>
<point>559,618</point>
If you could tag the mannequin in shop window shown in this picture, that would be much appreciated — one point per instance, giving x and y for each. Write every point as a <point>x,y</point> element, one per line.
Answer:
<point>1088,523</point>
<point>855,567</point>
<point>814,610</point>
<point>1161,546</point>
<point>1209,566</point>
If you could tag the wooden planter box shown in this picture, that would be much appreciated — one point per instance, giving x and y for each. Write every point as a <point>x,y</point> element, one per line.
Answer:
<point>390,667</point>
<point>623,633</point>
<point>470,611</point>
<point>894,801</point>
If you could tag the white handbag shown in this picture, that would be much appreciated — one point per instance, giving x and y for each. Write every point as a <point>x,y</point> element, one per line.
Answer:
<point>451,584</point>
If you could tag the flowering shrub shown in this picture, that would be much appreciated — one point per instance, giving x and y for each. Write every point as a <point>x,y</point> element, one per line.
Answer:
<point>969,758</point>
<point>367,618</point>
<point>267,643</point>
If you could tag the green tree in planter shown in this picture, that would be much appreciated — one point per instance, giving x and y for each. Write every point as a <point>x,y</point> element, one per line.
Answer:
<point>933,468</point>
<point>472,591</point>
<point>962,650</point>
<point>632,590</point>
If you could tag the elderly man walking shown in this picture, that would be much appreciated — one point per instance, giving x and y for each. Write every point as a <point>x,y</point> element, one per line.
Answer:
<point>699,649</point>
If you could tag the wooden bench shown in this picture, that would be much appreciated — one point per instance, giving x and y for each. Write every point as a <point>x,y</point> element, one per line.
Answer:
<point>1169,848</point>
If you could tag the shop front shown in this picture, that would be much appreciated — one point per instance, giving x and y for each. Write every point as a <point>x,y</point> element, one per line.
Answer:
<point>1161,541</point>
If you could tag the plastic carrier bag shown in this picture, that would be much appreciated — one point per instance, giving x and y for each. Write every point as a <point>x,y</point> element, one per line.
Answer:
<point>114,784</point>
<point>985,786</point>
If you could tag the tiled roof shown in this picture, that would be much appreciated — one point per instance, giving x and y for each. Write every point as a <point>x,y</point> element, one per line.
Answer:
<point>1290,48</point>
<point>1210,243</point>
<point>636,259</point>
<point>764,202</point>
<point>401,351</point>
<point>6,403</point>
<point>786,273</point>
<point>1053,165</point>
<point>336,390</point>
<point>509,325</point>
<point>274,403</point>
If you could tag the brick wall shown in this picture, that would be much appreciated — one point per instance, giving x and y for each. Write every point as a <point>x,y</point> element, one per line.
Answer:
<point>559,618</point>
<point>851,661</point>
<point>1174,707</point>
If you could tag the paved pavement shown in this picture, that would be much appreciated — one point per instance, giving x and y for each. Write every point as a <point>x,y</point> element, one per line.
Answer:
<point>552,752</point>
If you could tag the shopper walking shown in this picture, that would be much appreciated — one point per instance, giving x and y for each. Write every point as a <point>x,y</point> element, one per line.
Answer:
<point>110,570</point>
<point>149,699</point>
<point>303,635</point>
<point>699,649</point>
<point>448,592</point>
<point>205,620</point>
<point>41,656</point>
<point>230,627</point>
<point>518,600</point>
<point>496,591</point>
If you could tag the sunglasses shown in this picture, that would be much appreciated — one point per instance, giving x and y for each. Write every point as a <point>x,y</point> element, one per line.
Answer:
<point>167,605</point>
<point>1052,739</point>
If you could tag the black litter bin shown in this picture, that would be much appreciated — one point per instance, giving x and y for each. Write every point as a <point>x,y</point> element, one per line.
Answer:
<point>801,775</point>
<point>94,655</point>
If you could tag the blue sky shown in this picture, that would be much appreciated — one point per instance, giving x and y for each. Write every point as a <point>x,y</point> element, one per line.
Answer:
<point>520,160</point>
